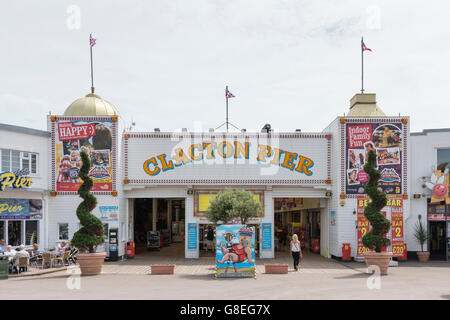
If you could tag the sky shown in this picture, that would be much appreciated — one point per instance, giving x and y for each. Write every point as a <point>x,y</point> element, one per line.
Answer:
<point>164,64</point>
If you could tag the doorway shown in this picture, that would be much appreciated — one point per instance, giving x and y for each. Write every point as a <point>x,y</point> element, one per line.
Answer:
<point>438,240</point>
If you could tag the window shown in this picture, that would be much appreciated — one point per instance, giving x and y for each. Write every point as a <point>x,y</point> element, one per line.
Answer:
<point>63,231</point>
<point>105,231</point>
<point>443,158</point>
<point>15,160</point>
<point>31,232</point>
<point>14,233</point>
<point>2,230</point>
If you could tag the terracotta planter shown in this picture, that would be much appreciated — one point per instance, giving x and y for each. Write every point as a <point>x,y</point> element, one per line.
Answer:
<point>91,263</point>
<point>380,259</point>
<point>423,256</point>
<point>276,268</point>
<point>162,269</point>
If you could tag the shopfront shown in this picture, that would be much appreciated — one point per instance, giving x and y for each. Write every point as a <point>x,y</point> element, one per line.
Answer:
<point>196,166</point>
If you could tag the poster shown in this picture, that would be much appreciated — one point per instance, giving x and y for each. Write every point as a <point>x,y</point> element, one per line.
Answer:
<point>95,138</point>
<point>266,233</point>
<point>109,213</point>
<point>393,211</point>
<point>386,140</point>
<point>235,251</point>
<point>192,236</point>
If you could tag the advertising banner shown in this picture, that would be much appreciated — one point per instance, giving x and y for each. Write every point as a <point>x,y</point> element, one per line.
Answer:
<point>266,233</point>
<point>192,235</point>
<point>14,209</point>
<point>392,211</point>
<point>235,251</point>
<point>109,213</point>
<point>386,140</point>
<point>202,158</point>
<point>95,138</point>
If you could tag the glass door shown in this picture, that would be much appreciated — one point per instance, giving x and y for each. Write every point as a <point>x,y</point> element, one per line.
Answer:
<point>14,233</point>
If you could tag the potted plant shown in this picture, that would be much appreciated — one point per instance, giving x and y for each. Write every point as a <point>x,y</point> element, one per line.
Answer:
<point>90,235</point>
<point>422,236</point>
<point>375,239</point>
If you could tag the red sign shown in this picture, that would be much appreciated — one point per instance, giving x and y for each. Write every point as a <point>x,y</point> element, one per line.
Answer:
<point>357,135</point>
<point>70,131</point>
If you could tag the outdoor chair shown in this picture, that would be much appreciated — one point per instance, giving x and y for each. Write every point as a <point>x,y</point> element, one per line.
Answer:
<point>21,262</point>
<point>47,259</point>
<point>65,258</point>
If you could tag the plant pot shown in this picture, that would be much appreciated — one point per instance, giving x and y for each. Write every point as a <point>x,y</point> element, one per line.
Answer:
<point>380,259</point>
<point>423,256</point>
<point>162,269</point>
<point>276,268</point>
<point>91,263</point>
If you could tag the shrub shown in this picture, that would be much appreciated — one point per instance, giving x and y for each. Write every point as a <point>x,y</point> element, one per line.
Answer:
<point>90,234</point>
<point>374,239</point>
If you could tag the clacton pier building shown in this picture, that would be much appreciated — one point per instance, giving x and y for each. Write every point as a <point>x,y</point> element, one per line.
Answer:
<point>311,184</point>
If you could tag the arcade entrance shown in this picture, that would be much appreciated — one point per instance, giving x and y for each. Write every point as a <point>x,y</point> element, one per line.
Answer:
<point>158,226</point>
<point>301,216</point>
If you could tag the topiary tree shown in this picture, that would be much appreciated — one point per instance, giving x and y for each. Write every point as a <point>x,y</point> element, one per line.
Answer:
<point>230,204</point>
<point>374,239</point>
<point>90,234</point>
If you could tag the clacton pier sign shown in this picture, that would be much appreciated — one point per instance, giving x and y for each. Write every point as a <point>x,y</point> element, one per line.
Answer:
<point>235,158</point>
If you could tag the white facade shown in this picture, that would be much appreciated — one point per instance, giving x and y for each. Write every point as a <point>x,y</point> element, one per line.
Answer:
<point>133,179</point>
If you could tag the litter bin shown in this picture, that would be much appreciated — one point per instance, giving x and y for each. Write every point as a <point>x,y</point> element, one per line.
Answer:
<point>316,245</point>
<point>130,249</point>
<point>4,267</point>
<point>346,252</point>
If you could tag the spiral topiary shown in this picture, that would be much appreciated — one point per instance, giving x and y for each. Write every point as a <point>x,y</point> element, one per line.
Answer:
<point>90,234</point>
<point>374,239</point>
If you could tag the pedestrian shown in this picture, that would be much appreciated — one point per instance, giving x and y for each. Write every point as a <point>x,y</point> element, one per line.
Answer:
<point>296,251</point>
<point>209,239</point>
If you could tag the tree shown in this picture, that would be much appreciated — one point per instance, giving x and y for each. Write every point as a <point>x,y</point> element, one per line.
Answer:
<point>231,204</point>
<point>90,235</point>
<point>374,239</point>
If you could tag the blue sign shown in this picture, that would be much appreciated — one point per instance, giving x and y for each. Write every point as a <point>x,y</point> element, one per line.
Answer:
<point>266,233</point>
<point>109,213</point>
<point>192,236</point>
<point>14,209</point>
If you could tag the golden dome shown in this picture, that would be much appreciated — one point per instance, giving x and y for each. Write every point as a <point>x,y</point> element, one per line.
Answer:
<point>91,105</point>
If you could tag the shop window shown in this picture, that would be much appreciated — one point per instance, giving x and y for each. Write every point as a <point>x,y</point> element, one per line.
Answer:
<point>14,160</point>
<point>443,158</point>
<point>2,230</point>
<point>14,233</point>
<point>105,231</point>
<point>63,231</point>
<point>31,232</point>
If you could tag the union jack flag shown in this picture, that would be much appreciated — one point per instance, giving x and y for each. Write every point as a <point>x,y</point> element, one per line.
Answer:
<point>92,41</point>
<point>364,48</point>
<point>228,94</point>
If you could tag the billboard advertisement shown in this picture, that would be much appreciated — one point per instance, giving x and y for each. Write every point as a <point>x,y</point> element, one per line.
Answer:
<point>386,140</point>
<point>235,251</point>
<point>18,209</point>
<point>393,211</point>
<point>91,136</point>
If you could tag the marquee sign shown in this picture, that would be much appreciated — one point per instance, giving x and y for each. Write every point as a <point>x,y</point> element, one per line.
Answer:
<point>227,158</point>
<point>17,179</point>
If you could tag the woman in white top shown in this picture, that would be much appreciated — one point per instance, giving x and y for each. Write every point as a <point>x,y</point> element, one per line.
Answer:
<point>296,251</point>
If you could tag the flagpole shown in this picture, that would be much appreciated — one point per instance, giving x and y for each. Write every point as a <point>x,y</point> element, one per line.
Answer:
<point>226,96</point>
<point>362,66</point>
<point>92,68</point>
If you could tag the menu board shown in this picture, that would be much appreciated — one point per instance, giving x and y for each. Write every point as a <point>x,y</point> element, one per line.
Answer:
<point>266,230</point>
<point>192,236</point>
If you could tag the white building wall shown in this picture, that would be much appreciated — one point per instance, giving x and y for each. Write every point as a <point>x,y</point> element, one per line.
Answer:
<point>423,157</point>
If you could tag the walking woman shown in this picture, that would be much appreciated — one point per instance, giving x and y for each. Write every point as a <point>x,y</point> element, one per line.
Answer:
<point>296,251</point>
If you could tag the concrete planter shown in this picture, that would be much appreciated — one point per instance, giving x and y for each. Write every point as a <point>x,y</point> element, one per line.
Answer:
<point>276,268</point>
<point>91,263</point>
<point>423,256</point>
<point>162,269</point>
<point>380,259</point>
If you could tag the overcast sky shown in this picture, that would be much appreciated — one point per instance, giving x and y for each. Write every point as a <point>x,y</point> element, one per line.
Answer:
<point>290,63</point>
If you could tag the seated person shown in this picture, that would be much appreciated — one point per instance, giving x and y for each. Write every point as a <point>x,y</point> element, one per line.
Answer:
<point>2,246</point>
<point>20,254</point>
<point>60,248</point>
<point>10,252</point>
<point>35,253</point>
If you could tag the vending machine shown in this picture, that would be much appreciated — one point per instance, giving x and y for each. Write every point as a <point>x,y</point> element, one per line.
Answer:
<point>113,244</point>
